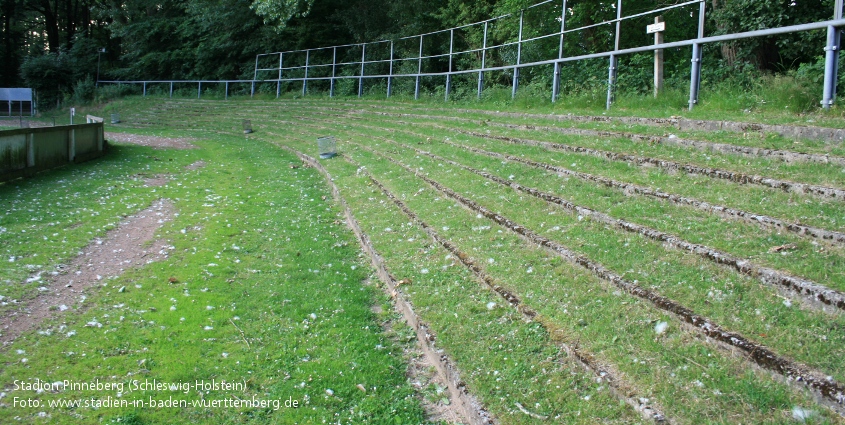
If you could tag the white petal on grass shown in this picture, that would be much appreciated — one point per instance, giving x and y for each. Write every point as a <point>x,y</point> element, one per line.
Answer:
<point>661,327</point>
<point>208,328</point>
<point>491,305</point>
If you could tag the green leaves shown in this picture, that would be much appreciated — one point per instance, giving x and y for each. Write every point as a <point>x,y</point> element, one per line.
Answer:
<point>279,12</point>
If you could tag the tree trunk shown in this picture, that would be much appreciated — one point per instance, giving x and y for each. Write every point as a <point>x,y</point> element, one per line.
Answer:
<point>51,25</point>
<point>728,48</point>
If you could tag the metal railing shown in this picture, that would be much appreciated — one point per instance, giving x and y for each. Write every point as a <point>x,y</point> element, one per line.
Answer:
<point>281,73</point>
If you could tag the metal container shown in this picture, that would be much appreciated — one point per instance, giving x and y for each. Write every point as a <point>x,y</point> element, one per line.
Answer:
<point>327,147</point>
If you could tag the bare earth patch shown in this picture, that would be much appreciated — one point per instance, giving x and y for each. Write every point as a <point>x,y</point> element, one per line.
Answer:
<point>123,247</point>
<point>196,165</point>
<point>152,141</point>
<point>157,180</point>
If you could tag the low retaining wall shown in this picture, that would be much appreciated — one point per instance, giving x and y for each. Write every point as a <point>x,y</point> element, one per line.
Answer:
<point>26,151</point>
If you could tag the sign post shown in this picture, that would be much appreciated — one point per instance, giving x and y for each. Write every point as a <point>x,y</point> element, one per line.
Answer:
<point>72,113</point>
<point>657,29</point>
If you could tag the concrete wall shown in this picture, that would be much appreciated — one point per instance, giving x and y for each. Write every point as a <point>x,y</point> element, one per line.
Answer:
<point>25,151</point>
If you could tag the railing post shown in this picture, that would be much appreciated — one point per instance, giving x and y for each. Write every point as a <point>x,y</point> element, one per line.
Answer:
<point>483,61</point>
<point>518,56</point>
<point>451,50</point>
<point>199,89</point>
<point>611,72</point>
<point>390,72</point>
<point>831,63</point>
<point>556,77</point>
<point>254,77</point>
<point>695,67</point>
<point>171,89</point>
<point>419,70</point>
<point>305,79</point>
<point>361,76</point>
<point>226,94</point>
<point>279,82</point>
<point>334,69</point>
<point>145,89</point>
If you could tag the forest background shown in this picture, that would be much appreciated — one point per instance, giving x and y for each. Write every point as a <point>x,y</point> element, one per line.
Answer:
<point>53,46</point>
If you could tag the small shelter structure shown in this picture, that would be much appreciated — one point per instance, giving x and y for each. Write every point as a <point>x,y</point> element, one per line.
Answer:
<point>16,102</point>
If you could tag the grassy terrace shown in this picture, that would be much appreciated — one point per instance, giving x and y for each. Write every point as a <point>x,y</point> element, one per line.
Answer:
<point>262,286</point>
<point>413,176</point>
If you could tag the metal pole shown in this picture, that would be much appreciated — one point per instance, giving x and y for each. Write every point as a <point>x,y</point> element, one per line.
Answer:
<point>171,89</point>
<point>483,62</point>
<point>199,89</point>
<point>518,56</point>
<point>279,82</point>
<point>334,68</point>
<point>558,65</point>
<point>361,77</point>
<point>97,85</point>
<point>305,80</point>
<point>145,89</point>
<point>611,72</point>
<point>254,77</point>
<point>226,95</point>
<point>451,50</point>
<point>390,72</point>
<point>695,67</point>
<point>831,59</point>
<point>419,70</point>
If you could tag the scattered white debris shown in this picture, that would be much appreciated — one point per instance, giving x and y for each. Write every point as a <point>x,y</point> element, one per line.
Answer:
<point>208,328</point>
<point>491,305</point>
<point>660,327</point>
<point>787,303</point>
<point>313,316</point>
<point>424,271</point>
<point>329,391</point>
<point>801,414</point>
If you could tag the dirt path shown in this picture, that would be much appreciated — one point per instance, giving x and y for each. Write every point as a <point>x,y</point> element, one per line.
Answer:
<point>123,247</point>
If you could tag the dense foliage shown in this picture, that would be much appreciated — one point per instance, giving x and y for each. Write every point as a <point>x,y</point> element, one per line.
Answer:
<point>53,45</point>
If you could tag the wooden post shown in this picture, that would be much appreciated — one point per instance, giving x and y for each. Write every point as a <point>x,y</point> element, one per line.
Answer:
<point>658,59</point>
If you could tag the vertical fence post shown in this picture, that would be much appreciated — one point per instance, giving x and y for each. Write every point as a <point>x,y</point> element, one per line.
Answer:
<point>518,56</point>
<point>334,71</point>
<point>390,72</point>
<point>483,61</point>
<point>419,70</point>
<point>305,79</point>
<point>695,67</point>
<point>658,59</point>
<point>226,94</point>
<point>361,77</point>
<point>279,82</point>
<point>171,89</point>
<point>199,89</point>
<point>451,50</point>
<point>254,77</point>
<point>831,63</point>
<point>558,65</point>
<point>145,89</point>
<point>611,72</point>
